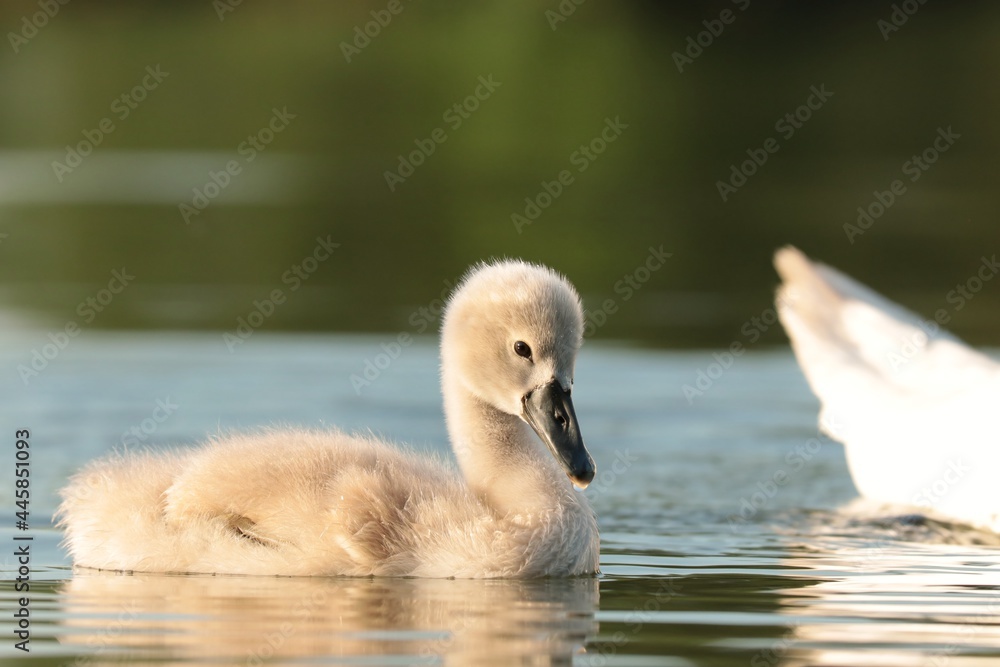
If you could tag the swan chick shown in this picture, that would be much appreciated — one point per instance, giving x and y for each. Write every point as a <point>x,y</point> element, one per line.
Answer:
<point>285,501</point>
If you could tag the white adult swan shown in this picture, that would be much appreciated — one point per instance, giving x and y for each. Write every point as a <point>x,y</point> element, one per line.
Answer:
<point>917,410</point>
<point>296,502</point>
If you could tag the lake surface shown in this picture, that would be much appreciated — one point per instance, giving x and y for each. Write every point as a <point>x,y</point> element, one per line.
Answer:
<point>706,560</point>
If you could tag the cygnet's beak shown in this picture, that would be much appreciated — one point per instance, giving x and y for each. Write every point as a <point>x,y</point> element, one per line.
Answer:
<point>549,410</point>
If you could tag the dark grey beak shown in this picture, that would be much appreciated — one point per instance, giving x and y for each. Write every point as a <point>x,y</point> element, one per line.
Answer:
<point>549,410</point>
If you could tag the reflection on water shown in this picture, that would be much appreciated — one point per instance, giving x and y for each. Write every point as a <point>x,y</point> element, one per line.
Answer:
<point>805,599</point>
<point>697,569</point>
<point>894,604</point>
<point>253,620</point>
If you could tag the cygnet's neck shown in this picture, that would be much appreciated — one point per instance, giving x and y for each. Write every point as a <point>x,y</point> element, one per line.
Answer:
<point>503,461</point>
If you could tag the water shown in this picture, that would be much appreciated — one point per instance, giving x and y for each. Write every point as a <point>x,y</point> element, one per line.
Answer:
<point>709,556</point>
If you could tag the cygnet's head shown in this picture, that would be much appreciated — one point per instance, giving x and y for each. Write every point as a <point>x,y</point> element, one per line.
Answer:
<point>510,336</point>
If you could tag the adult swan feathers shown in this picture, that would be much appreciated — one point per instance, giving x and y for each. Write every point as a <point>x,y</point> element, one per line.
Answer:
<point>914,406</point>
<point>297,502</point>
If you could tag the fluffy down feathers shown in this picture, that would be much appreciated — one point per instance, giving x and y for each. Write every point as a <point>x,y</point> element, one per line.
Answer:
<point>300,502</point>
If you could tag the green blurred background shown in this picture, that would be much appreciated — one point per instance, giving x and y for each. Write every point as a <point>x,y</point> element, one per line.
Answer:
<point>230,65</point>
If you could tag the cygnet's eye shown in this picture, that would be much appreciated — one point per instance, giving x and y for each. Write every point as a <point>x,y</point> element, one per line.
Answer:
<point>522,349</point>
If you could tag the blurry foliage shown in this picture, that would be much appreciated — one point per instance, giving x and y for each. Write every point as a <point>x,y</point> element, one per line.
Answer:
<point>656,184</point>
